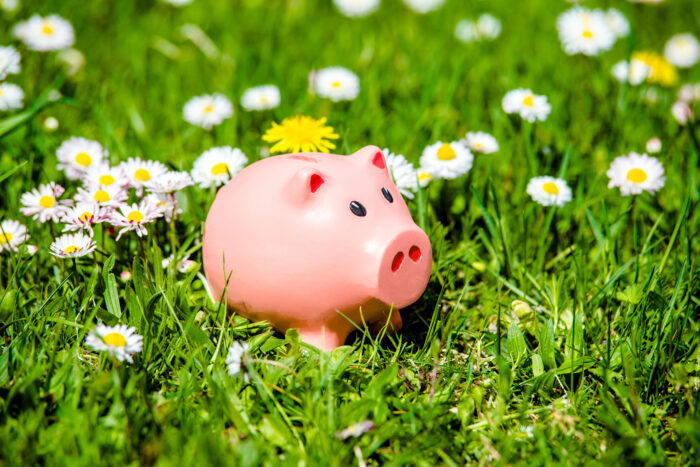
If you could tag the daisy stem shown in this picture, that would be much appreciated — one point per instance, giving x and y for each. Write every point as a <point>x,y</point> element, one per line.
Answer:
<point>274,363</point>
<point>75,270</point>
<point>143,251</point>
<point>531,160</point>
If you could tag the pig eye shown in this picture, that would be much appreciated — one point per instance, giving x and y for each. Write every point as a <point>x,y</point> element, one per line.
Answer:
<point>358,209</point>
<point>387,195</point>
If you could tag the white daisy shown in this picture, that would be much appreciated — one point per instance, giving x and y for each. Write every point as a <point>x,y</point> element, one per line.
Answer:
<point>481,142</point>
<point>207,110</point>
<point>466,31</point>
<point>9,61</point>
<point>11,96</point>
<point>83,216</point>
<point>423,6</point>
<point>682,50</point>
<point>617,23</point>
<point>234,359</point>
<point>73,60</point>
<point>72,245</point>
<point>135,217</point>
<point>634,173</point>
<point>424,177</point>
<point>105,196</point>
<point>689,92</point>
<point>335,83</point>
<point>32,249</point>
<point>653,145</point>
<point>549,191</point>
<point>178,2</point>
<point>139,172</point>
<point>9,5</point>
<point>356,8</point>
<point>44,34</point>
<point>166,204</point>
<point>261,98</point>
<point>584,31</point>
<point>120,341</point>
<point>42,204</point>
<point>216,166</point>
<point>169,182</point>
<point>402,172</point>
<point>104,175</point>
<point>77,155</point>
<point>12,234</point>
<point>50,123</point>
<point>355,430</point>
<point>125,276</point>
<point>530,106</point>
<point>446,160</point>
<point>634,74</point>
<point>488,26</point>
<point>682,112</point>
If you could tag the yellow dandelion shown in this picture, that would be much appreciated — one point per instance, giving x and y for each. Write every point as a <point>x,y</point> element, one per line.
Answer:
<point>662,72</point>
<point>300,134</point>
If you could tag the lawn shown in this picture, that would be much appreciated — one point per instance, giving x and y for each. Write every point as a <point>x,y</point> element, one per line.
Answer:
<point>547,334</point>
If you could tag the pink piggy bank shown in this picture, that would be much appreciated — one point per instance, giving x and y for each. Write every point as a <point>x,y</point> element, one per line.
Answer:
<point>315,242</point>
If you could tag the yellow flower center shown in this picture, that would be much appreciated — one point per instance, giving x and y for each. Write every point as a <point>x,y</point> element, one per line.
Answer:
<point>142,175</point>
<point>477,145</point>
<point>114,339</point>
<point>72,249</point>
<point>219,169</point>
<point>46,201</point>
<point>5,238</point>
<point>101,196</point>
<point>46,28</point>
<point>106,179</point>
<point>208,109</point>
<point>424,176</point>
<point>336,84</point>
<point>636,175</point>
<point>134,216</point>
<point>0,91</point>
<point>528,101</point>
<point>83,158</point>
<point>550,188</point>
<point>85,217</point>
<point>587,33</point>
<point>263,99</point>
<point>446,153</point>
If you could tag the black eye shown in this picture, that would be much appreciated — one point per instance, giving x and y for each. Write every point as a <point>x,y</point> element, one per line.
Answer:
<point>358,209</point>
<point>387,195</point>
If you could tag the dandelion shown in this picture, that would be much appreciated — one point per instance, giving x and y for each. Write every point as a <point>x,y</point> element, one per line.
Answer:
<point>42,204</point>
<point>217,166</point>
<point>120,341</point>
<point>45,34</point>
<point>584,31</point>
<point>12,234</point>
<point>169,182</point>
<point>617,23</point>
<point>402,173</point>
<point>83,216</point>
<point>446,160</point>
<point>423,6</point>
<point>234,360</point>
<point>77,155</point>
<point>653,145</point>
<point>11,97</point>
<point>300,133</point>
<point>549,191</point>
<point>261,98</point>
<point>207,111</point>
<point>72,245</point>
<point>633,73</point>
<point>662,72</point>
<point>335,83</point>
<point>355,430</point>
<point>135,217</point>
<point>105,196</point>
<point>101,175</point>
<point>139,172</point>
<point>634,173</point>
<point>356,8</point>
<point>682,50</point>
<point>481,142</point>
<point>9,61</point>
<point>529,106</point>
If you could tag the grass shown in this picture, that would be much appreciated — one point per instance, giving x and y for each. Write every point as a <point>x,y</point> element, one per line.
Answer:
<point>546,336</point>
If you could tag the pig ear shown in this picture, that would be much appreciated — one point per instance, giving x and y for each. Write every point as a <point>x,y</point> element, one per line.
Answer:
<point>371,156</point>
<point>305,183</point>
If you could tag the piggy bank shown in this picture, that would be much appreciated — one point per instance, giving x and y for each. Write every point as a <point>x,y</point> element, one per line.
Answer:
<point>318,242</point>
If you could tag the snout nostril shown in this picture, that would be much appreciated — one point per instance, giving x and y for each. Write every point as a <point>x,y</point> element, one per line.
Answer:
<point>396,263</point>
<point>414,253</point>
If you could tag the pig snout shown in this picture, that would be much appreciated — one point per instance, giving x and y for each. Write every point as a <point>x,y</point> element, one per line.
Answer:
<point>404,269</point>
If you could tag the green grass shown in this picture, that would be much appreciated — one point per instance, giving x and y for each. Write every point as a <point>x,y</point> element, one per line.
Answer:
<point>599,363</point>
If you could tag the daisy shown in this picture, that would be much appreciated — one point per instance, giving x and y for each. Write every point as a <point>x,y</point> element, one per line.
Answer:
<point>120,341</point>
<point>689,93</point>
<point>481,142</point>
<point>682,112</point>
<point>169,182</point>
<point>355,430</point>
<point>356,8</point>
<point>9,61</point>
<point>300,133</point>
<point>634,173</point>
<point>335,83</point>
<point>72,245</point>
<point>11,96</point>
<point>216,166</point>
<point>76,155</point>
<point>549,191</point>
<point>466,31</point>
<point>9,5</point>
<point>261,98</point>
<point>488,26</point>
<point>234,360</point>
<point>402,173</point>
<point>50,124</point>
<point>662,72</point>
<point>530,106</point>
<point>125,276</point>
<point>682,50</point>
<point>104,175</point>
<point>105,196</point>
<point>633,74</point>
<point>135,217</point>
<point>83,216</point>
<point>424,177</point>
<point>207,110</point>
<point>139,172</point>
<point>423,6</point>
<point>617,23</point>
<point>44,34</point>
<point>178,2</point>
<point>584,31</point>
<point>73,60</point>
<point>166,204</point>
<point>32,249</point>
<point>653,145</point>
<point>446,160</point>
<point>12,234</point>
<point>42,204</point>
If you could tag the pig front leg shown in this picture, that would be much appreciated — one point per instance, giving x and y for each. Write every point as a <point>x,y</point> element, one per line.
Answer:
<point>324,338</point>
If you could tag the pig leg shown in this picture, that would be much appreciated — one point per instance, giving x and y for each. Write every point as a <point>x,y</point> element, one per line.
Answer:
<point>395,324</point>
<point>324,338</point>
